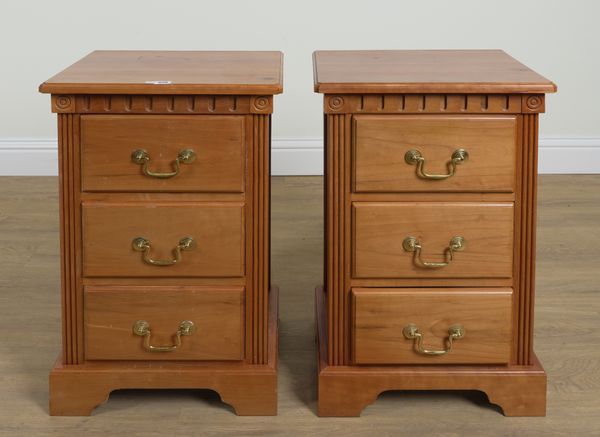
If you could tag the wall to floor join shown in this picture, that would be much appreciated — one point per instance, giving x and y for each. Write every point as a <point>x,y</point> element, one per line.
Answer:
<point>553,37</point>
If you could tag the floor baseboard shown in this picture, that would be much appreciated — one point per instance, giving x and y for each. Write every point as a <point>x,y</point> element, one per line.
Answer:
<point>301,156</point>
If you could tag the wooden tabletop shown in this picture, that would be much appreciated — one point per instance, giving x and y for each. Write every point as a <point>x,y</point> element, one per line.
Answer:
<point>424,71</point>
<point>171,72</point>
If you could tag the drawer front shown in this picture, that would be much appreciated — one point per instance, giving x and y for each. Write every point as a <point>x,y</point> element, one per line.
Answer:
<point>108,142</point>
<point>382,231</point>
<point>216,331</point>
<point>126,240</point>
<point>382,142</point>
<point>413,326</point>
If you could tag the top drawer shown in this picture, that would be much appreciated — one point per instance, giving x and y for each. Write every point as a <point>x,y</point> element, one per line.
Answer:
<point>384,145</point>
<point>109,143</point>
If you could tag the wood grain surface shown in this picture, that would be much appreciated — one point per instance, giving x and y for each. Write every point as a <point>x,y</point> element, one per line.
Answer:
<point>380,314</point>
<point>111,311</point>
<point>251,390</point>
<point>171,72</point>
<point>108,141</point>
<point>424,71</point>
<point>217,228</point>
<point>566,339</point>
<point>381,142</point>
<point>379,230</point>
<point>344,391</point>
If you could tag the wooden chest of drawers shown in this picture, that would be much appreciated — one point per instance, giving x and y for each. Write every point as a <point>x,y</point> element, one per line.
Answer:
<point>430,162</point>
<point>164,190</point>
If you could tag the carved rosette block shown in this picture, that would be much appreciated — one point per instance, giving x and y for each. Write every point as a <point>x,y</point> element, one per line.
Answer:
<point>261,104</point>
<point>62,103</point>
<point>533,103</point>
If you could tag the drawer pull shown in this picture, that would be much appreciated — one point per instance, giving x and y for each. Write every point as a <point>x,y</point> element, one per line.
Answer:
<point>142,244</point>
<point>142,157</point>
<point>411,332</point>
<point>411,244</point>
<point>413,157</point>
<point>142,328</point>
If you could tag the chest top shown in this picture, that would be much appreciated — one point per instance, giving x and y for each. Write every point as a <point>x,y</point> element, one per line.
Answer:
<point>424,71</point>
<point>170,72</point>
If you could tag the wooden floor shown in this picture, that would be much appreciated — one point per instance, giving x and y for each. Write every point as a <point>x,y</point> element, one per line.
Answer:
<point>567,331</point>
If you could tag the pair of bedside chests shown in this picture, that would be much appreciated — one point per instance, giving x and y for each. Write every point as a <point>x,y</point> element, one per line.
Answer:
<point>430,218</point>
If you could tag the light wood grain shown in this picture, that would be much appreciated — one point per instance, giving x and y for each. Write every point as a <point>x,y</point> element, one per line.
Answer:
<point>445,85</point>
<point>565,340</point>
<point>111,311</point>
<point>217,229</point>
<point>192,72</point>
<point>259,247</point>
<point>249,389</point>
<point>69,157</point>
<point>107,143</point>
<point>380,143</point>
<point>224,204</point>
<point>525,238</point>
<point>172,104</point>
<point>424,71</point>
<point>337,236</point>
<point>379,230</point>
<point>344,391</point>
<point>439,103</point>
<point>380,315</point>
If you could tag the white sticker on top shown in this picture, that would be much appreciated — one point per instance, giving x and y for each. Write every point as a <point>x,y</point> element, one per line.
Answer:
<point>159,82</point>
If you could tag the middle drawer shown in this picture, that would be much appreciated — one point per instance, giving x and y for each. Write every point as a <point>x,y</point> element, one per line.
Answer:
<point>432,240</point>
<point>193,239</point>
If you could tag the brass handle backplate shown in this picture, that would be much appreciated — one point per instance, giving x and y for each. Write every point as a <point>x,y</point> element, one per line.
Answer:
<point>142,244</point>
<point>142,328</point>
<point>142,157</point>
<point>412,244</point>
<point>411,332</point>
<point>414,157</point>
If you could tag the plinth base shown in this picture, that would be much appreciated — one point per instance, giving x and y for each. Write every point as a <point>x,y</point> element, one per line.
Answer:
<point>75,390</point>
<point>347,390</point>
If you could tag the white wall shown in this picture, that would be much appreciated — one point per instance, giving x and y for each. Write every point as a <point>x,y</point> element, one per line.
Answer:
<point>559,39</point>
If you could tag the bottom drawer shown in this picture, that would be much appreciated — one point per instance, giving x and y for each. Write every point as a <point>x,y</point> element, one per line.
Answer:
<point>431,326</point>
<point>153,323</point>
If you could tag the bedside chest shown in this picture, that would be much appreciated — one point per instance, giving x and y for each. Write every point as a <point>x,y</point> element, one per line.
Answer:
<point>164,199</point>
<point>430,163</point>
